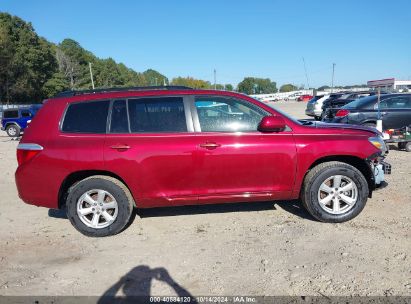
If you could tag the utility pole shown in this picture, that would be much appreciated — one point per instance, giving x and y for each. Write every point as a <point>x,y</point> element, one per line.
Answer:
<point>306,75</point>
<point>91,75</point>
<point>332,79</point>
<point>215,79</point>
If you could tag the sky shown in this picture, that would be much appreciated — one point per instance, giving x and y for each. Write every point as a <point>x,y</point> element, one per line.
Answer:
<point>366,39</point>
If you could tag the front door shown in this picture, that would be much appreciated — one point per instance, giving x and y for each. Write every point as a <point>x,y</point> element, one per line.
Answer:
<point>237,162</point>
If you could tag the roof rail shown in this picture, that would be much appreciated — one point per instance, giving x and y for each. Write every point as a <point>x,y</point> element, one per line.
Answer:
<point>82,92</point>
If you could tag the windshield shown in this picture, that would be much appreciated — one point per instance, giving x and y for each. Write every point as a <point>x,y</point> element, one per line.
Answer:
<point>359,103</point>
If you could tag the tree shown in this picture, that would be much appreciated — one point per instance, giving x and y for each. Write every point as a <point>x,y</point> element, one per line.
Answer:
<point>288,87</point>
<point>229,87</point>
<point>191,82</point>
<point>27,61</point>
<point>155,78</point>
<point>68,67</point>
<point>322,88</point>
<point>251,85</point>
<point>57,83</point>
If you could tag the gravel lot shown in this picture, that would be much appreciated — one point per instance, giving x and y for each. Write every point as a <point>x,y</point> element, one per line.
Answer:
<point>240,249</point>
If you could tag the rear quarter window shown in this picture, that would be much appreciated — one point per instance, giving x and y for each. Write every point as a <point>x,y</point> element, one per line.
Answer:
<point>86,117</point>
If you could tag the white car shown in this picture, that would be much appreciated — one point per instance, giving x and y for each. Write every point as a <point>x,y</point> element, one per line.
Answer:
<point>314,106</point>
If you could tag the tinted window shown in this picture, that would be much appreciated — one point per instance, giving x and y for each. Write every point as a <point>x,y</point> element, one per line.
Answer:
<point>119,120</point>
<point>11,114</point>
<point>398,102</point>
<point>157,115</point>
<point>86,117</point>
<point>361,103</point>
<point>25,113</point>
<point>217,114</point>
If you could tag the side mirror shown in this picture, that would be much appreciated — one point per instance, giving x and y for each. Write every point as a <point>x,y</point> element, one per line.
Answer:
<point>271,124</point>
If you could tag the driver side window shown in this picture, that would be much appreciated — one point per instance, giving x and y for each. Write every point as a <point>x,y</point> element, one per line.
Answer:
<point>221,114</point>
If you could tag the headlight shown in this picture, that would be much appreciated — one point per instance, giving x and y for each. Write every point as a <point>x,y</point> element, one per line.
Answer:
<point>378,142</point>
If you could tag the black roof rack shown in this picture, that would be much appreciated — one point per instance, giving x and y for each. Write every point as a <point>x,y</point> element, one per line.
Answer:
<point>82,92</point>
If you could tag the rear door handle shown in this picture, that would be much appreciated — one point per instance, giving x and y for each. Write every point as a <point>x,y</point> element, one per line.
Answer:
<point>120,147</point>
<point>210,145</point>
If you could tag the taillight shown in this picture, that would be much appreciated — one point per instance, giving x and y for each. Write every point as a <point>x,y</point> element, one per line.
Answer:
<point>25,152</point>
<point>342,113</point>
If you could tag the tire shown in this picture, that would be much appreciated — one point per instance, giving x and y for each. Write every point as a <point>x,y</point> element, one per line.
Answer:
<point>114,194</point>
<point>311,194</point>
<point>13,130</point>
<point>401,145</point>
<point>408,146</point>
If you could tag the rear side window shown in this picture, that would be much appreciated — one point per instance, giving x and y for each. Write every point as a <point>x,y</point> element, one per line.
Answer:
<point>11,114</point>
<point>86,117</point>
<point>398,102</point>
<point>157,115</point>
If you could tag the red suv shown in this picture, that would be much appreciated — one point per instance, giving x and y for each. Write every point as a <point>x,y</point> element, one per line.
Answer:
<point>101,153</point>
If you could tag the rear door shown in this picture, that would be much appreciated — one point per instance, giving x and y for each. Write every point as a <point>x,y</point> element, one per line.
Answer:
<point>150,144</point>
<point>237,162</point>
<point>396,111</point>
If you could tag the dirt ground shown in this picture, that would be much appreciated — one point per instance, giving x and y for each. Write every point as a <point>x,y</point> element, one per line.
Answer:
<point>234,249</point>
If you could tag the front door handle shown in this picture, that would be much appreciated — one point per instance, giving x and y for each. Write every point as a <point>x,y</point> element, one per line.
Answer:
<point>120,147</point>
<point>210,145</point>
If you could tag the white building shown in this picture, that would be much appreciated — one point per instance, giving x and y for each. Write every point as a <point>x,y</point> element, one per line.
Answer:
<point>391,84</point>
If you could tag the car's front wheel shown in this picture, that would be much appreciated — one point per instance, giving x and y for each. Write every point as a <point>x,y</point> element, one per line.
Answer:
<point>13,131</point>
<point>334,192</point>
<point>99,206</point>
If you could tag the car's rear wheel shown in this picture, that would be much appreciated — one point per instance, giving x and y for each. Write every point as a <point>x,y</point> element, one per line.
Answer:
<point>334,192</point>
<point>408,146</point>
<point>99,206</point>
<point>13,130</point>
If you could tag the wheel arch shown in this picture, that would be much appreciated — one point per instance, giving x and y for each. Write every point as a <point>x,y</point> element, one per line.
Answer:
<point>357,162</point>
<point>11,123</point>
<point>78,176</point>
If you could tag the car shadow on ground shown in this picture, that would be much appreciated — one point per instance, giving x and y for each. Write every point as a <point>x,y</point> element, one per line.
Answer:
<point>294,207</point>
<point>135,287</point>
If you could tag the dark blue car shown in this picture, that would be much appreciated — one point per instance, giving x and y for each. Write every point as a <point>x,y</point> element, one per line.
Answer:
<point>14,121</point>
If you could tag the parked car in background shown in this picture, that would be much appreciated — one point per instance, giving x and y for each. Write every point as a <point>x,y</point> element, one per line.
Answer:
<point>331,106</point>
<point>102,153</point>
<point>15,120</point>
<point>293,96</point>
<point>304,97</point>
<point>395,111</point>
<point>314,106</point>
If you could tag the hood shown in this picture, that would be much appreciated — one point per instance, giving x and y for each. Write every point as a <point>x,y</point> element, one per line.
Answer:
<point>319,124</point>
